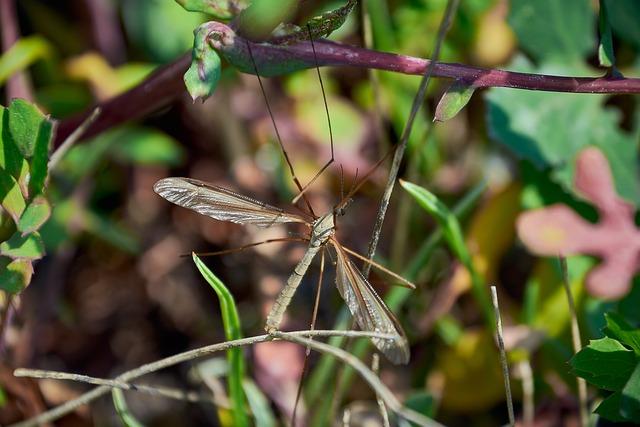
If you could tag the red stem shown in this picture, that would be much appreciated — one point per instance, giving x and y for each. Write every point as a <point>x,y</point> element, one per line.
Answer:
<point>166,84</point>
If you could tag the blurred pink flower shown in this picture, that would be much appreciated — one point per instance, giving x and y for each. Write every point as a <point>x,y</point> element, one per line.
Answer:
<point>558,230</point>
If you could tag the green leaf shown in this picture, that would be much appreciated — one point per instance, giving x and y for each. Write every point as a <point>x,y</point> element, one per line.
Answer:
<point>11,160</point>
<point>605,47</point>
<point>24,52</point>
<point>610,408</point>
<point>36,214</point>
<point>231,322</point>
<point>454,99</point>
<point>617,328</point>
<point>146,146</point>
<point>19,246</point>
<point>38,165</point>
<point>203,75</point>
<point>122,409</point>
<point>160,28</point>
<point>630,399</point>
<point>258,21</point>
<point>422,402</point>
<point>533,125</point>
<point>624,16</point>
<point>11,198</point>
<point>107,230</point>
<point>24,125</point>
<point>219,9</point>
<point>15,275</point>
<point>259,404</point>
<point>454,237</point>
<point>604,363</point>
<point>563,30</point>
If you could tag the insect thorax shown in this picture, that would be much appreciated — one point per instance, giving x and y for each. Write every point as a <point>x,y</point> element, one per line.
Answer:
<point>323,228</point>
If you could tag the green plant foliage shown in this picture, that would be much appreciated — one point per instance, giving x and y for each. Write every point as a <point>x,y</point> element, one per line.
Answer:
<point>15,275</point>
<point>24,126</point>
<point>203,75</point>
<point>453,100</point>
<point>605,48</point>
<point>593,362</point>
<point>618,328</point>
<point>26,247</point>
<point>122,409</point>
<point>533,125</point>
<point>259,405</point>
<point>624,16</point>
<point>454,237</point>
<point>11,196</point>
<point>145,146</point>
<point>552,30</point>
<point>232,330</point>
<point>25,135</point>
<point>219,9</point>
<point>258,21</point>
<point>612,363</point>
<point>35,215</point>
<point>22,54</point>
<point>161,28</point>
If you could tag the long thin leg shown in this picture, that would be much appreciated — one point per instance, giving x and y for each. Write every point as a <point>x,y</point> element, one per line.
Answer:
<point>278,137</point>
<point>250,245</point>
<point>314,316</point>
<point>404,282</point>
<point>326,109</point>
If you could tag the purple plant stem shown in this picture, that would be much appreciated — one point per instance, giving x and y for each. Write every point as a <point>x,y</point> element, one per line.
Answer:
<point>166,84</point>
<point>158,90</point>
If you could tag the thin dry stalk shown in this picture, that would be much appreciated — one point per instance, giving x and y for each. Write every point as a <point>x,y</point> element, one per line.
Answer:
<point>298,336</point>
<point>73,138</point>
<point>171,393</point>
<point>375,367</point>
<point>452,7</point>
<point>503,356</point>
<point>577,344</point>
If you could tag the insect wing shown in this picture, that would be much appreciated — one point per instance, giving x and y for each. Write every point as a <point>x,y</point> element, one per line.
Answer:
<point>220,203</point>
<point>369,310</point>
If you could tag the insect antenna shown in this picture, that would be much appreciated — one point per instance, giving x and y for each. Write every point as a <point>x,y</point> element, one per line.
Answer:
<point>354,189</point>
<point>326,109</point>
<point>278,137</point>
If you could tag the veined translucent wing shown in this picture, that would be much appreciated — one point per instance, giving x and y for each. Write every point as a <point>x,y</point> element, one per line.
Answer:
<point>220,203</point>
<point>368,309</point>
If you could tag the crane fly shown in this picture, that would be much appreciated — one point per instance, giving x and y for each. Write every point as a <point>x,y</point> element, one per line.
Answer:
<point>368,309</point>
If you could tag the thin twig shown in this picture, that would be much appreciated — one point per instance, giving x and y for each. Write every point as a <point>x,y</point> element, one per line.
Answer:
<point>165,85</point>
<point>503,356</point>
<point>72,139</point>
<point>171,393</point>
<point>526,373</point>
<point>366,374</point>
<point>59,411</point>
<point>452,6</point>
<point>577,342</point>
<point>375,367</point>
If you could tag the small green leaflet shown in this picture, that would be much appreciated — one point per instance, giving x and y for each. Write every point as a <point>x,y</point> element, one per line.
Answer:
<point>36,214</point>
<point>605,48</point>
<point>453,100</point>
<point>610,364</point>
<point>16,275</point>
<point>19,246</point>
<point>219,9</point>
<point>203,75</point>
